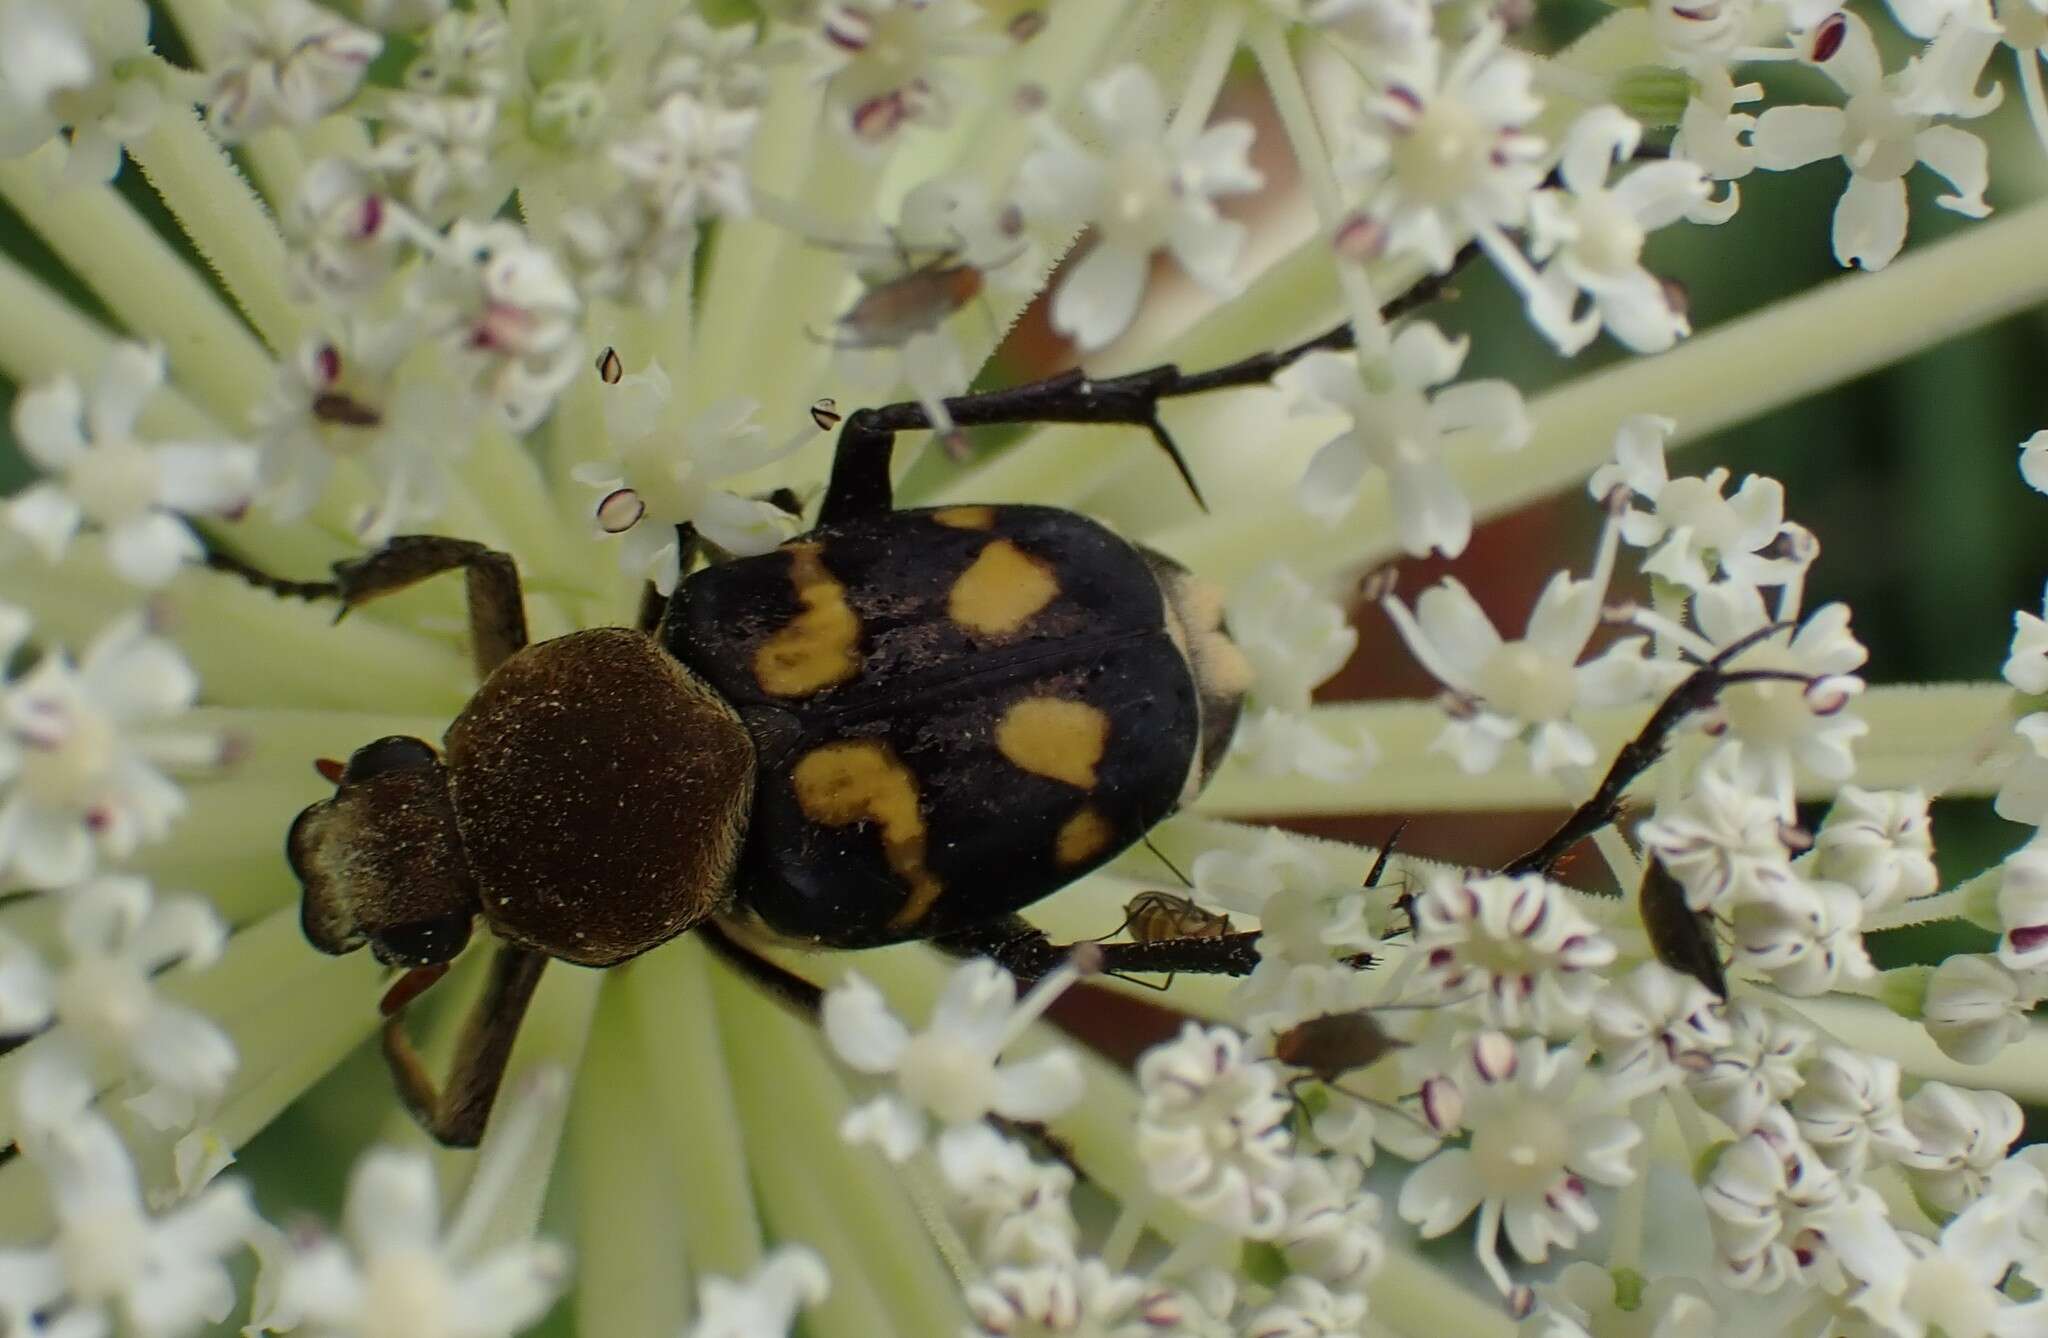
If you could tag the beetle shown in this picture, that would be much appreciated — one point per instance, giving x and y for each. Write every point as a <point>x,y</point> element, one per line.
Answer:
<point>900,725</point>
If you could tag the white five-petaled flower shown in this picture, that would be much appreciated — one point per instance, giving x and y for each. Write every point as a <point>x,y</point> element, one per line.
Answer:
<point>662,477</point>
<point>1973,1007</point>
<point>891,63</point>
<point>1403,429</point>
<point>81,747</point>
<point>2026,663</point>
<point>1333,1223</point>
<point>1848,1108</point>
<point>509,318</point>
<point>767,1302</point>
<point>373,393</point>
<point>1794,714</point>
<point>1151,188</point>
<point>1212,1131</point>
<point>1879,138</point>
<point>2034,461</point>
<point>434,152</point>
<point>1960,1137</point>
<point>1878,842</point>
<point>1695,534</point>
<point>1955,1282</point>
<point>1804,935</point>
<point>290,64</point>
<point>103,473</point>
<point>1083,1297</point>
<point>79,66</point>
<point>1441,153</point>
<point>720,66</point>
<point>119,937</point>
<point>1528,688</point>
<point>1658,1021</point>
<point>1722,840</point>
<point>688,161</point>
<point>346,235</point>
<point>1293,633</point>
<point>162,1276</point>
<point>1018,1207</point>
<point>2023,908</point>
<point>1756,1069</point>
<point>397,1272</point>
<point>953,1069</point>
<point>1537,1134</point>
<point>1514,949</point>
<point>1589,238</point>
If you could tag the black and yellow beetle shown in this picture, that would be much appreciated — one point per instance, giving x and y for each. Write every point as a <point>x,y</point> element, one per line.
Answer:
<point>904,724</point>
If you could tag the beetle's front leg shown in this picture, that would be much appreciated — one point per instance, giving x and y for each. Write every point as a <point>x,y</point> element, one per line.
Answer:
<point>455,1114</point>
<point>497,609</point>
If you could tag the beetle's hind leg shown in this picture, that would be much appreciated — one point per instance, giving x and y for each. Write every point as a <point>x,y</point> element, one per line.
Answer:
<point>497,609</point>
<point>455,1113</point>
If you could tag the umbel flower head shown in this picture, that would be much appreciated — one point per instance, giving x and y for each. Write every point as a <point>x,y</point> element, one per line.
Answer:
<point>610,296</point>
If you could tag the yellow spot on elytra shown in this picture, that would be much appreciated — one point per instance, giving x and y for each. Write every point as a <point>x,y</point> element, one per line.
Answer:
<point>861,780</point>
<point>1001,590</point>
<point>1081,837</point>
<point>821,645</point>
<point>966,517</point>
<point>1050,736</point>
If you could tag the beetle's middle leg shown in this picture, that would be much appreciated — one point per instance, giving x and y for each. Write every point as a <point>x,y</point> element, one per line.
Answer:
<point>497,609</point>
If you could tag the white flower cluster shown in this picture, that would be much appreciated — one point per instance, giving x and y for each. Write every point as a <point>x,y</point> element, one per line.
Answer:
<point>1213,1136</point>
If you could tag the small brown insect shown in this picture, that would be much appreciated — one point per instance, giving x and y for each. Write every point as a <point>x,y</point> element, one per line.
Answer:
<point>894,311</point>
<point>1154,916</point>
<point>1332,1045</point>
<point>1682,938</point>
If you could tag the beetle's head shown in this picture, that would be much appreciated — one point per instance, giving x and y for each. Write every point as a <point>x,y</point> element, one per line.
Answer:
<point>381,861</point>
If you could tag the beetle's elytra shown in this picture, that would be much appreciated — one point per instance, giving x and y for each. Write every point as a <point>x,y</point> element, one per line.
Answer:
<point>901,725</point>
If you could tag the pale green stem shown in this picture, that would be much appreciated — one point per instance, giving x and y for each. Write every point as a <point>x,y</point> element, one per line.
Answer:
<point>1728,375</point>
<point>227,224</point>
<point>143,282</point>
<point>1942,906</point>
<point>844,1202</point>
<point>1913,734</point>
<point>1212,66</point>
<point>1290,99</point>
<point>745,252</point>
<point>697,1118</point>
<point>2020,1070</point>
<point>42,335</point>
<point>1123,1237</point>
<point>1414,1296</point>
<point>633,1260</point>
<point>1625,1220</point>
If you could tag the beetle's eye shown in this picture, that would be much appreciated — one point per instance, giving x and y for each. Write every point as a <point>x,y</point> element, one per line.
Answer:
<point>423,942</point>
<point>399,752</point>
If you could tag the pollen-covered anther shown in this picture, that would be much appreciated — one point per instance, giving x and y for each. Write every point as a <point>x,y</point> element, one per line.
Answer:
<point>1359,238</point>
<point>1493,1057</point>
<point>1828,38</point>
<point>1443,1105</point>
<point>620,510</point>
<point>611,369</point>
<point>878,117</point>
